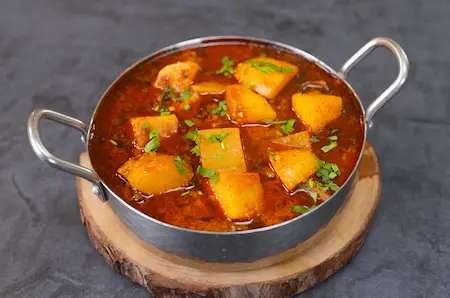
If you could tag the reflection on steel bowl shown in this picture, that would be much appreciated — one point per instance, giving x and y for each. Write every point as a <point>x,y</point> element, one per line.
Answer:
<point>226,149</point>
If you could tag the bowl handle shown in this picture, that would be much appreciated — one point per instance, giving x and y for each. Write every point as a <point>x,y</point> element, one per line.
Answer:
<point>403,63</point>
<point>47,157</point>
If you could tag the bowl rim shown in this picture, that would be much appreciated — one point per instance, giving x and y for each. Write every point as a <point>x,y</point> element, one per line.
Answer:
<point>229,39</point>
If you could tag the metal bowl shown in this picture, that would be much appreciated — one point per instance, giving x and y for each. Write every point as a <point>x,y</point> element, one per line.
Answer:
<point>224,247</point>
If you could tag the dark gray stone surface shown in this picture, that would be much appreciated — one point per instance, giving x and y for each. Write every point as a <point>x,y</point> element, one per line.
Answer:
<point>62,54</point>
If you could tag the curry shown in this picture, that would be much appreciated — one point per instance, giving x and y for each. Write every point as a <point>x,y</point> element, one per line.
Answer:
<point>227,137</point>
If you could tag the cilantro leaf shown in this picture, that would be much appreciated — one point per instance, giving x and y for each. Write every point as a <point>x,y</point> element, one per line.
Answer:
<point>179,165</point>
<point>302,209</point>
<point>315,139</point>
<point>154,142</point>
<point>189,123</point>
<point>288,127</point>
<point>208,173</point>
<point>227,67</point>
<point>221,109</point>
<point>329,147</point>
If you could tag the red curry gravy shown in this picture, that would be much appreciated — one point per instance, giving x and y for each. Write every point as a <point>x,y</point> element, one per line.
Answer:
<point>195,206</point>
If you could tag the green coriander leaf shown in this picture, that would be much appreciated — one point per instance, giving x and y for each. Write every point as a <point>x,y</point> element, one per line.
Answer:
<point>192,135</point>
<point>144,126</point>
<point>302,209</point>
<point>333,186</point>
<point>113,142</point>
<point>334,130</point>
<point>152,145</point>
<point>179,165</point>
<point>208,173</point>
<point>271,153</point>
<point>221,109</point>
<point>195,150</point>
<point>186,107</point>
<point>311,183</point>
<point>227,67</point>
<point>332,175</point>
<point>154,142</point>
<point>164,113</point>
<point>217,137</point>
<point>314,139</point>
<point>185,193</point>
<point>332,138</point>
<point>189,123</point>
<point>329,147</point>
<point>251,86</point>
<point>288,127</point>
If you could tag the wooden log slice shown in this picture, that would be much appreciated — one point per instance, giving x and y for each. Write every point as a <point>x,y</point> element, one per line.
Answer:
<point>165,275</point>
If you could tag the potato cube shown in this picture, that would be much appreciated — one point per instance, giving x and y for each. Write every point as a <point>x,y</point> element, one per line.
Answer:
<point>300,140</point>
<point>240,194</point>
<point>246,106</point>
<point>178,76</point>
<point>317,110</point>
<point>221,149</point>
<point>267,76</point>
<point>209,88</point>
<point>155,173</point>
<point>166,126</point>
<point>294,166</point>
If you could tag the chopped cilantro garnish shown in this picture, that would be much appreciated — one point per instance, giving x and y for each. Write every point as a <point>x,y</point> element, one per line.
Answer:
<point>186,107</point>
<point>189,123</point>
<point>208,173</point>
<point>195,150</point>
<point>193,135</point>
<point>302,209</point>
<point>227,67</point>
<point>329,147</point>
<point>251,86</point>
<point>144,126</point>
<point>288,127</point>
<point>271,153</point>
<point>328,171</point>
<point>179,165</point>
<point>334,130</point>
<point>314,139</point>
<point>164,113</point>
<point>217,138</point>
<point>333,138</point>
<point>268,67</point>
<point>221,109</point>
<point>154,142</point>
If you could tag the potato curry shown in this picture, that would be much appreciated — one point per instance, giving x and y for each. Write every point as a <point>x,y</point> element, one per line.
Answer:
<point>226,137</point>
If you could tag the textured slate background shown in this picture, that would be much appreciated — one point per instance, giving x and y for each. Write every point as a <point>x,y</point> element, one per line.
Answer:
<point>62,54</point>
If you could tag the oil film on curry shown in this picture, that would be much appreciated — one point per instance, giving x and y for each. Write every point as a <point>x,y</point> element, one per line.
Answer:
<point>227,137</point>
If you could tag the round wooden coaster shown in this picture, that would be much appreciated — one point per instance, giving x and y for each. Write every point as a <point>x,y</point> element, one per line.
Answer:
<point>166,275</point>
